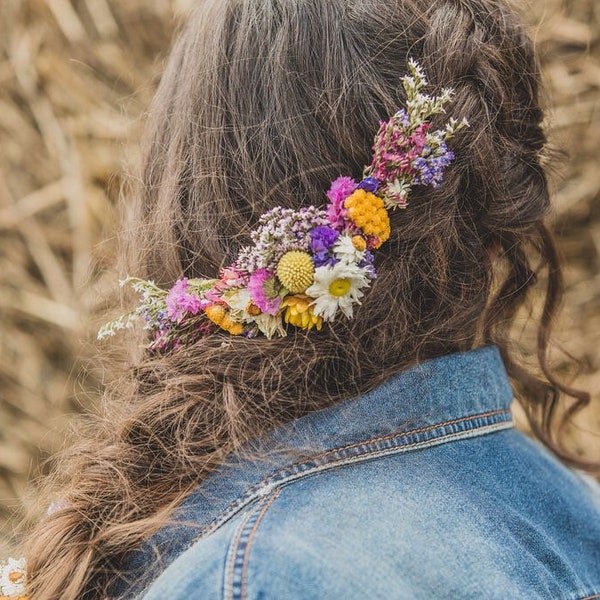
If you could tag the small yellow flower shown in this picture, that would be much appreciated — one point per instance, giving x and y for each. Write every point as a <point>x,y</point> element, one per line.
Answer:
<point>219,315</point>
<point>368,212</point>
<point>252,309</point>
<point>233,327</point>
<point>216,313</point>
<point>296,271</point>
<point>358,241</point>
<point>299,312</point>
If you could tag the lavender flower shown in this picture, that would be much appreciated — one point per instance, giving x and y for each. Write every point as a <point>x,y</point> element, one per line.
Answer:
<point>368,264</point>
<point>431,168</point>
<point>322,241</point>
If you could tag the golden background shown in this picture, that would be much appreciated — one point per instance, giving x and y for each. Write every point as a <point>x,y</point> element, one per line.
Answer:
<point>75,79</point>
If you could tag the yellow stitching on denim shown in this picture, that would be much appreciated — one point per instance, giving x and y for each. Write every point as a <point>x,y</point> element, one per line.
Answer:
<point>388,451</point>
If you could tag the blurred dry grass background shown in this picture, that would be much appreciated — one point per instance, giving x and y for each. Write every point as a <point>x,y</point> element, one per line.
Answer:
<point>75,78</point>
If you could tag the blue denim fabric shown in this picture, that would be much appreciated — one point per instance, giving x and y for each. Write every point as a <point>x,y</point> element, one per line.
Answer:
<point>419,489</point>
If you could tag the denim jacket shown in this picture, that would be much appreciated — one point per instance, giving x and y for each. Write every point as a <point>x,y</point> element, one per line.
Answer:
<point>420,489</point>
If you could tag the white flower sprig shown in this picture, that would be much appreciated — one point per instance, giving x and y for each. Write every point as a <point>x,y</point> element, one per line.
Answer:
<point>406,151</point>
<point>12,578</point>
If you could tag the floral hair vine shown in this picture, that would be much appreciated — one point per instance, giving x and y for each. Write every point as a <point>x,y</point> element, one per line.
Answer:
<point>308,265</point>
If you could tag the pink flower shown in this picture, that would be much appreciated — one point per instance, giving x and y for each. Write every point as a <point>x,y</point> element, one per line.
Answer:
<point>340,189</point>
<point>213,296</point>
<point>179,301</point>
<point>396,148</point>
<point>160,341</point>
<point>258,286</point>
<point>231,277</point>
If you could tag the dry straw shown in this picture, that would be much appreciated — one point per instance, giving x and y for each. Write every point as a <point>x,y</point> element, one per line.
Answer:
<point>75,77</point>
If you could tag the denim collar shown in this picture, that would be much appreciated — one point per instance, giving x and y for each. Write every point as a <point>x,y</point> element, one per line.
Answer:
<point>462,394</point>
<point>442,391</point>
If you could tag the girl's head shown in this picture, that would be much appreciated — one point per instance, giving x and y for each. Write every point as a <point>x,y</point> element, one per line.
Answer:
<point>262,104</point>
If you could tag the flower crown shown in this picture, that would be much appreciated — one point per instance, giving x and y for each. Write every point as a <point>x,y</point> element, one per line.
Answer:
<point>306,266</point>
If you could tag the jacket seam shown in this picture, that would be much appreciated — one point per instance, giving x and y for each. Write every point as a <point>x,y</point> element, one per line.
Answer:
<point>275,478</point>
<point>237,557</point>
<point>244,574</point>
<point>229,581</point>
<point>405,434</point>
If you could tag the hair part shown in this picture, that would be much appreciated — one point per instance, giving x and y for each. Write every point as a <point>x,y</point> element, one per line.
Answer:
<point>263,103</point>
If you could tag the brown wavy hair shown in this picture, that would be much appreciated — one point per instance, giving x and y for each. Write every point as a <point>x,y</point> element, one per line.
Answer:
<point>263,103</point>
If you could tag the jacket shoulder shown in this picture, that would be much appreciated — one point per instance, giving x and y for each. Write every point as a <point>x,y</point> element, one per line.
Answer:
<point>499,510</point>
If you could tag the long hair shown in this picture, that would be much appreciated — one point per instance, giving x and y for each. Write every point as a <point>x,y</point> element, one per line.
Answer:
<point>263,103</point>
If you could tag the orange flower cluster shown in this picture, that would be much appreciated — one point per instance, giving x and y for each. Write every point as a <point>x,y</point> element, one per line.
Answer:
<point>369,214</point>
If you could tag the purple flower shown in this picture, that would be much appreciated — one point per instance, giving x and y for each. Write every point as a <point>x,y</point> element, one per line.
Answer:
<point>340,189</point>
<point>258,286</point>
<point>322,240</point>
<point>369,184</point>
<point>430,169</point>
<point>402,117</point>
<point>179,301</point>
<point>396,147</point>
<point>418,139</point>
<point>367,263</point>
<point>405,150</point>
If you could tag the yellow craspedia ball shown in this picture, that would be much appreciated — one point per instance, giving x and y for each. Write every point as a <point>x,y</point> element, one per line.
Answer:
<point>368,212</point>
<point>296,271</point>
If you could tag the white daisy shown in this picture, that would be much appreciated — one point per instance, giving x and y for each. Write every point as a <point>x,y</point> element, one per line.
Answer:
<point>346,251</point>
<point>12,577</point>
<point>337,287</point>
